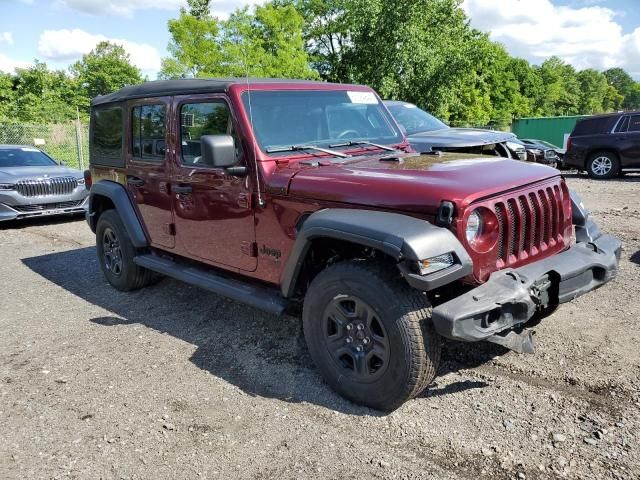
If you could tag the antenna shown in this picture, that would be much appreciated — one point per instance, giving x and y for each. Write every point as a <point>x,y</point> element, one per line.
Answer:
<point>261,202</point>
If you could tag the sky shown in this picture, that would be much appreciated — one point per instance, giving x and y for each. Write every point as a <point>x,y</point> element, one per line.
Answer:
<point>585,33</point>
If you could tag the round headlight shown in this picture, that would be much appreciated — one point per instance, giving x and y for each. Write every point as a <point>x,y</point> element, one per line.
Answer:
<point>474,226</point>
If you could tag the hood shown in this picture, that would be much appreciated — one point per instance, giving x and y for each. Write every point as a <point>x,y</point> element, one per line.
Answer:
<point>417,183</point>
<point>457,138</point>
<point>13,174</point>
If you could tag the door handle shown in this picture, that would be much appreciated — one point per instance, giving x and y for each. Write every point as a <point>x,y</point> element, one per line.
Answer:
<point>135,181</point>
<point>181,188</point>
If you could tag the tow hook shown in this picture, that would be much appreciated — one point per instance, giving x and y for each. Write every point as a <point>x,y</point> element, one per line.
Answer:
<point>518,342</point>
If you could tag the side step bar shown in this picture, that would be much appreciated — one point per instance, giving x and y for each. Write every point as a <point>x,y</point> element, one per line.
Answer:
<point>263,298</point>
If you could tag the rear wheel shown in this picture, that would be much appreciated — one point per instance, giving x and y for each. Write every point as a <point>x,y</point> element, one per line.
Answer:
<point>603,165</point>
<point>116,254</point>
<point>370,335</point>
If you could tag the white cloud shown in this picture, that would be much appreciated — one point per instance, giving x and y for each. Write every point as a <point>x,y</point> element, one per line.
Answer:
<point>68,45</point>
<point>9,65</point>
<point>222,9</point>
<point>123,8</point>
<point>585,37</point>
<point>6,38</point>
<point>126,8</point>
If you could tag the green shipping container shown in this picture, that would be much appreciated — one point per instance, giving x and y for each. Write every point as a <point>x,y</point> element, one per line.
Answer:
<point>552,129</point>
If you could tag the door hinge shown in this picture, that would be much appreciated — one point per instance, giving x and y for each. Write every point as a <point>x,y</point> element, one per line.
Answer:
<point>249,248</point>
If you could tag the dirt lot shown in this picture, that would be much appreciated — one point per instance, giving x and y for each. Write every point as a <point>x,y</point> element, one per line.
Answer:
<point>174,382</point>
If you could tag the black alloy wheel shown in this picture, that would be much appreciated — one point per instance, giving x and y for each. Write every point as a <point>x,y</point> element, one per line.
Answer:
<point>356,339</point>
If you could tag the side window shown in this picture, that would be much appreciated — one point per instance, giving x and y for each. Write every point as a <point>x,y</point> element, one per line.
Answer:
<point>623,126</point>
<point>198,119</point>
<point>106,136</point>
<point>634,123</point>
<point>147,133</point>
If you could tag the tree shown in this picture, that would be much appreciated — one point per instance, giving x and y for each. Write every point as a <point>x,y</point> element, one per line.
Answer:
<point>199,8</point>
<point>561,94</point>
<point>596,94</point>
<point>625,85</point>
<point>415,50</point>
<point>44,96</point>
<point>326,30</point>
<point>105,69</point>
<point>6,95</point>
<point>194,47</point>
<point>265,41</point>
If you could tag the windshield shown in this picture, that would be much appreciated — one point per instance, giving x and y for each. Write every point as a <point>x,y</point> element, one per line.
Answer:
<point>414,120</point>
<point>318,118</point>
<point>24,157</point>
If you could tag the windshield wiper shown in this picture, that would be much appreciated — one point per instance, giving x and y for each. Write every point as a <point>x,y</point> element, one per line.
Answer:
<point>352,143</point>
<point>297,148</point>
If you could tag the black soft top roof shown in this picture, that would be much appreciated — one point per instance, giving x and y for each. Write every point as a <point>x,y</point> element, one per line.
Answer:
<point>188,86</point>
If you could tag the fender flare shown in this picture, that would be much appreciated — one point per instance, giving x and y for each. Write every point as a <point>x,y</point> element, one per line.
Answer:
<point>118,195</point>
<point>405,239</point>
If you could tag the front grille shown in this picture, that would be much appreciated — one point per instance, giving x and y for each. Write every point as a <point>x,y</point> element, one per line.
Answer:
<point>529,224</point>
<point>46,186</point>
<point>46,206</point>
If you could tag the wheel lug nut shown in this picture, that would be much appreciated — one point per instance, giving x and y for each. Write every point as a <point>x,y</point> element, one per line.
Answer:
<point>366,341</point>
<point>360,326</point>
<point>349,339</point>
<point>359,348</point>
<point>349,326</point>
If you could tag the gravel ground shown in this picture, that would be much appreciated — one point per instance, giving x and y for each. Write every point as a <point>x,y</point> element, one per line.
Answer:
<point>174,382</point>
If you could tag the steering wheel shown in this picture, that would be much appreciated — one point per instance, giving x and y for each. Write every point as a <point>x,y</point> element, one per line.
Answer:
<point>349,134</point>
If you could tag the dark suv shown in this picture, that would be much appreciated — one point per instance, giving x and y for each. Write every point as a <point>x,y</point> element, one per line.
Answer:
<point>605,146</point>
<point>297,196</point>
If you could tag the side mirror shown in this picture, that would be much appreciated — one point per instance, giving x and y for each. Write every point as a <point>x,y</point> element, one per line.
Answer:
<point>218,150</point>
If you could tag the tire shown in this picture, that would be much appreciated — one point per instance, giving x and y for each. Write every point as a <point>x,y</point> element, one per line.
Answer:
<point>603,165</point>
<point>116,253</point>
<point>386,319</point>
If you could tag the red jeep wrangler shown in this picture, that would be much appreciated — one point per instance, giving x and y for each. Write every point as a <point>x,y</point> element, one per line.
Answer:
<point>279,193</point>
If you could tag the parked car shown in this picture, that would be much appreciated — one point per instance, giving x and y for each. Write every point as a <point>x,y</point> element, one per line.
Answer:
<point>32,184</point>
<point>517,149</point>
<point>605,146</point>
<point>306,195</point>
<point>543,143</point>
<point>540,153</point>
<point>427,134</point>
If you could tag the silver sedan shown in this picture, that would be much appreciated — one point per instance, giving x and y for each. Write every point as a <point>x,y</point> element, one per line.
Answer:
<point>32,184</point>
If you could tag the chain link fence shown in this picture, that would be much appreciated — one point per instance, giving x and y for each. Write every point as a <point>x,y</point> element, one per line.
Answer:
<point>67,143</point>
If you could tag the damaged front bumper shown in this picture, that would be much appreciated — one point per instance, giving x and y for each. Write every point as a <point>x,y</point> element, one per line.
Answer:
<point>511,297</point>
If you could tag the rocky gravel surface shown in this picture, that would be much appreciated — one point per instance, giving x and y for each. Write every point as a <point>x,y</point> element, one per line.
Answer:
<point>175,382</point>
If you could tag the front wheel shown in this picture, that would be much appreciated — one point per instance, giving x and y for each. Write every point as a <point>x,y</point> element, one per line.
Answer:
<point>603,165</point>
<point>370,335</point>
<point>116,254</point>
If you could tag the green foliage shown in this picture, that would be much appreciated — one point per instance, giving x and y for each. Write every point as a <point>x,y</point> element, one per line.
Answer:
<point>265,41</point>
<point>199,8</point>
<point>422,51</point>
<point>194,48</point>
<point>105,69</point>
<point>40,95</point>
<point>625,86</point>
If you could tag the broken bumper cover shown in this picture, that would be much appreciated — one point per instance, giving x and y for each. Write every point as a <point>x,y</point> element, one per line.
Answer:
<point>512,296</point>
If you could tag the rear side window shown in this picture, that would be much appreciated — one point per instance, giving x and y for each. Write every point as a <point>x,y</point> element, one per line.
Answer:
<point>198,119</point>
<point>634,123</point>
<point>147,133</point>
<point>106,136</point>
<point>623,126</point>
<point>595,126</point>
